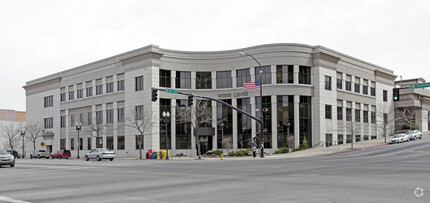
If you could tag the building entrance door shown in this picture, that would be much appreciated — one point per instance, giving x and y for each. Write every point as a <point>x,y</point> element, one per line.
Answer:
<point>49,148</point>
<point>205,144</point>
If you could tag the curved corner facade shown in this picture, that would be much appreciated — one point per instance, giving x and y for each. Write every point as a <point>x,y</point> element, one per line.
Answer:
<point>310,93</point>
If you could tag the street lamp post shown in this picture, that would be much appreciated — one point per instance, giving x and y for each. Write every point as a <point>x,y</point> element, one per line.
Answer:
<point>22,134</point>
<point>166,116</point>
<point>78,128</point>
<point>261,104</point>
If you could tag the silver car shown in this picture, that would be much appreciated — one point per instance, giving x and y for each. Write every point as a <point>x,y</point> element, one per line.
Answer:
<point>415,134</point>
<point>99,154</point>
<point>6,158</point>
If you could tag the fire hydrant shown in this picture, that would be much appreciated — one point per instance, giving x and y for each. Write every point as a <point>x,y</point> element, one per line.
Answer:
<point>222,156</point>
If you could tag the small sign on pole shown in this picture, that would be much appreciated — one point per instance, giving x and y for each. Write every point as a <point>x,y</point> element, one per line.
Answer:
<point>42,144</point>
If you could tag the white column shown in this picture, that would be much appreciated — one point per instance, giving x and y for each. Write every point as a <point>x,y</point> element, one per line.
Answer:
<point>104,122</point>
<point>344,121</point>
<point>296,121</point>
<point>215,125</point>
<point>173,124</point>
<point>296,74</point>
<point>233,79</point>
<point>274,123</point>
<point>115,123</point>
<point>369,115</point>
<point>361,121</point>
<point>67,127</point>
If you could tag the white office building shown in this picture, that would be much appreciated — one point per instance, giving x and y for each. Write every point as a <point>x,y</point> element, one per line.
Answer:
<point>309,92</point>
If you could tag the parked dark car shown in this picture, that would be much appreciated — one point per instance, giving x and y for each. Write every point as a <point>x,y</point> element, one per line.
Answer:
<point>64,153</point>
<point>14,153</point>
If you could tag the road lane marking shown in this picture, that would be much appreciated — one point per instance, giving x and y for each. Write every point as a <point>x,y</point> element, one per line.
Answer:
<point>402,151</point>
<point>7,199</point>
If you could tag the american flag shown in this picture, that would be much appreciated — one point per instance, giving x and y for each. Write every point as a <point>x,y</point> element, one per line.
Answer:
<point>251,86</point>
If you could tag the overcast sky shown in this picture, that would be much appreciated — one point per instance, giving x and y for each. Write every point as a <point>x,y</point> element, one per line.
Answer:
<point>39,38</point>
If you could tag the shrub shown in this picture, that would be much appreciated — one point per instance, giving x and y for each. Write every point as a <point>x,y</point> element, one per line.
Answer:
<point>304,145</point>
<point>415,127</point>
<point>240,153</point>
<point>282,150</point>
<point>217,152</point>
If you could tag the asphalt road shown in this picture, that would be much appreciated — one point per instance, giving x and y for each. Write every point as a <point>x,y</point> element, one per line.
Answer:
<point>389,173</point>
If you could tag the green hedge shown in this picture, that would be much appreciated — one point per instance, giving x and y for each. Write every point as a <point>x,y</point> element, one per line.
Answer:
<point>217,152</point>
<point>282,150</point>
<point>240,153</point>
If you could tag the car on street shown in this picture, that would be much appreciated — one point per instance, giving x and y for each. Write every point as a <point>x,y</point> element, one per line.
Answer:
<point>6,158</point>
<point>398,138</point>
<point>14,153</point>
<point>63,153</point>
<point>415,134</point>
<point>39,154</point>
<point>99,154</point>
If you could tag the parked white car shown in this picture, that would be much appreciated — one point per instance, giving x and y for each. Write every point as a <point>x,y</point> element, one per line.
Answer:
<point>415,134</point>
<point>398,138</point>
<point>39,154</point>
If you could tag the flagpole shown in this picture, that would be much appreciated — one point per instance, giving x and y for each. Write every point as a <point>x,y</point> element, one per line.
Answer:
<point>261,104</point>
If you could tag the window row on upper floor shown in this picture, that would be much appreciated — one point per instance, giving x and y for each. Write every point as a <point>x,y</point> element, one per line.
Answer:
<point>224,79</point>
<point>361,85</point>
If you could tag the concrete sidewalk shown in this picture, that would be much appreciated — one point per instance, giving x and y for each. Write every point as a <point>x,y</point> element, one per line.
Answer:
<point>316,151</point>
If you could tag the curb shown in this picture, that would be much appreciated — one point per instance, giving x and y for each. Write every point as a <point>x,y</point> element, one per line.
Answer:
<point>351,150</point>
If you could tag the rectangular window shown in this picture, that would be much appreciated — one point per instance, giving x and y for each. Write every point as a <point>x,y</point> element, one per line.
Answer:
<point>339,113</point>
<point>372,91</point>
<point>242,76</point>
<point>99,89</point>
<point>72,144</point>
<point>357,115</point>
<point>72,120</point>
<point>62,143</point>
<point>90,118</point>
<point>63,96</point>
<point>365,89</point>
<point>120,142</point>
<point>49,123</point>
<point>89,143</point>
<point>81,140</point>
<point>138,83</point>
<point>99,142</point>
<point>183,79</point>
<point>139,112</point>
<point>120,114</point>
<point>109,87</point>
<point>109,116</point>
<point>384,93</point>
<point>99,117</point>
<point>328,111</point>
<point>339,84</point>
<point>71,95</point>
<point>284,74</point>
<point>109,142</point>
<point>49,101</point>
<point>356,87</point>
<point>63,121</point>
<point>373,117</point>
<point>327,82</point>
<point>120,85</point>
<point>89,91</point>
<point>348,114</point>
<point>165,78</point>
<point>139,142</point>
<point>366,116</point>
<point>304,75</point>
<point>347,85</point>
<point>79,93</point>
<point>266,74</point>
<point>223,79</point>
<point>81,118</point>
<point>203,80</point>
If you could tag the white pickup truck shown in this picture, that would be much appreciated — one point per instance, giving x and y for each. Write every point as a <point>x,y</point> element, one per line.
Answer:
<point>39,154</point>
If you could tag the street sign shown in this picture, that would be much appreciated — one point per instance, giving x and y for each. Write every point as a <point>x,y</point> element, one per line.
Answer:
<point>42,144</point>
<point>420,85</point>
<point>173,91</point>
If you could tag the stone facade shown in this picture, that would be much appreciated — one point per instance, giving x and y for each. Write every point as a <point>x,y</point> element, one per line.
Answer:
<point>303,77</point>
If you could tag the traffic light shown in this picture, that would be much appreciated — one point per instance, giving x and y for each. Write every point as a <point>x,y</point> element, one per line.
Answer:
<point>396,94</point>
<point>154,94</point>
<point>190,100</point>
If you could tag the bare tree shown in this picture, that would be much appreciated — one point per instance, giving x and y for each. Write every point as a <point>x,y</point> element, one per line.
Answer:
<point>352,126</point>
<point>386,119</point>
<point>96,128</point>
<point>199,116</point>
<point>406,116</point>
<point>12,132</point>
<point>142,121</point>
<point>34,131</point>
